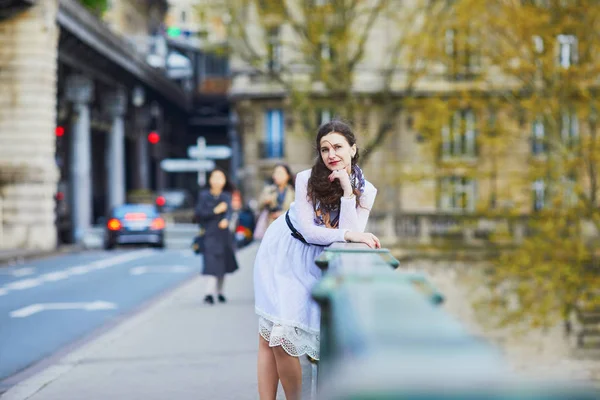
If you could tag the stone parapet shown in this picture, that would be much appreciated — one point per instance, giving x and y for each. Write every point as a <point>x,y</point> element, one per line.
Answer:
<point>28,172</point>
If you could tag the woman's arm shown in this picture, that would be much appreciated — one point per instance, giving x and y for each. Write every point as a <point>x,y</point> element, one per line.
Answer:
<point>305,217</point>
<point>229,212</point>
<point>267,197</point>
<point>355,218</point>
<point>204,207</point>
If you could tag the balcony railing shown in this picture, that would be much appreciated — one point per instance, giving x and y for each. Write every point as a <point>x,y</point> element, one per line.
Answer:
<point>425,228</point>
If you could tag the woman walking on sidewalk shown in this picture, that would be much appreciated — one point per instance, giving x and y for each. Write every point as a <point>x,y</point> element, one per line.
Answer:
<point>332,204</point>
<point>275,199</point>
<point>213,212</point>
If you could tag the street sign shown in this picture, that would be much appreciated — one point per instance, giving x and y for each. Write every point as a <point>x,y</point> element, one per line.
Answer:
<point>185,165</point>
<point>210,152</point>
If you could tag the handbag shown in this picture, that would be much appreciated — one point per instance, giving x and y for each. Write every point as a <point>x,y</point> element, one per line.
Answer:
<point>198,243</point>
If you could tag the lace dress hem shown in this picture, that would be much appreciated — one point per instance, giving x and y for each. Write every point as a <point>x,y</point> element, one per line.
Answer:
<point>295,341</point>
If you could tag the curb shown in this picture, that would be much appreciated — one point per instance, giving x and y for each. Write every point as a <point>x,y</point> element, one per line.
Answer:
<point>11,257</point>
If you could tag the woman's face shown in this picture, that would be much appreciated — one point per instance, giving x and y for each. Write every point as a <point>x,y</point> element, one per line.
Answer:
<point>217,180</point>
<point>336,152</point>
<point>280,176</point>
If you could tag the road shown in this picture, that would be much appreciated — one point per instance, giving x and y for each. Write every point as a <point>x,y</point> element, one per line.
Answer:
<point>48,304</point>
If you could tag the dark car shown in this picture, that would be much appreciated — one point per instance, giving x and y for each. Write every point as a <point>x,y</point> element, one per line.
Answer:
<point>134,224</point>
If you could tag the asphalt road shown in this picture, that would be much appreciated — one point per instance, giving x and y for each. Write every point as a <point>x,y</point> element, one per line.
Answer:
<point>48,304</point>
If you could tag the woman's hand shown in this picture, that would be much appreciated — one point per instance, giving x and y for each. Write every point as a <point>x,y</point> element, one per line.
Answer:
<point>220,208</point>
<point>363,237</point>
<point>344,179</point>
<point>223,224</point>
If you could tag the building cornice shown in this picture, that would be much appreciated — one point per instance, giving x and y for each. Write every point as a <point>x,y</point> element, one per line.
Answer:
<point>74,18</point>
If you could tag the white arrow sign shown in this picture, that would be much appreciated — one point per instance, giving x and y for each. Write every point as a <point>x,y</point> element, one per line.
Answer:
<point>177,269</point>
<point>185,165</point>
<point>210,152</point>
<point>36,308</point>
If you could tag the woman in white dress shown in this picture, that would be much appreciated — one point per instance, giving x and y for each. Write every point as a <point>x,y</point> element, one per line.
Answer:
<point>332,204</point>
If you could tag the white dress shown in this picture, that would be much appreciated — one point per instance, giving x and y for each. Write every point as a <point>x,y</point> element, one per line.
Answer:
<point>285,269</point>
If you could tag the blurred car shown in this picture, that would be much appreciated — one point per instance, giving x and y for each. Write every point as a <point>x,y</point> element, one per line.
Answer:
<point>134,224</point>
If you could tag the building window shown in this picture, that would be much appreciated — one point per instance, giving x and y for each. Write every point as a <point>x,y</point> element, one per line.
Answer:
<point>459,138</point>
<point>569,129</point>
<point>461,48</point>
<point>273,49</point>
<point>325,51</point>
<point>538,44</point>
<point>457,194</point>
<point>274,134</point>
<point>538,137</point>
<point>324,115</point>
<point>569,184</point>
<point>567,50</point>
<point>539,194</point>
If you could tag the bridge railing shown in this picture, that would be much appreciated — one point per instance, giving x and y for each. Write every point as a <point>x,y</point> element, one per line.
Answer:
<point>385,336</point>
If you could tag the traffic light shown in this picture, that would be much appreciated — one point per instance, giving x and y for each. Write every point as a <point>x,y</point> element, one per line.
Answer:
<point>59,131</point>
<point>153,137</point>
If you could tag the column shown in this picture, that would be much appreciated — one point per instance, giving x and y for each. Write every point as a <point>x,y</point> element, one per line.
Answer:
<point>234,142</point>
<point>142,118</point>
<point>79,90</point>
<point>158,116</point>
<point>115,105</point>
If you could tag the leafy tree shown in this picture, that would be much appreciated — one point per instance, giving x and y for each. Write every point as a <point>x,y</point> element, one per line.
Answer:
<point>96,6</point>
<point>319,54</point>
<point>527,71</point>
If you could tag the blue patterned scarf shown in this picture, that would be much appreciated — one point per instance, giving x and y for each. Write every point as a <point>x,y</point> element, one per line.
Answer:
<point>357,179</point>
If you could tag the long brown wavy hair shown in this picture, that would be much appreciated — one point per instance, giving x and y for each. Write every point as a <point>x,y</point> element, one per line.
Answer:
<point>320,190</point>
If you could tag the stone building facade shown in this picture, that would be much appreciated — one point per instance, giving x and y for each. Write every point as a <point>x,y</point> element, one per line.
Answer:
<point>28,172</point>
<point>265,116</point>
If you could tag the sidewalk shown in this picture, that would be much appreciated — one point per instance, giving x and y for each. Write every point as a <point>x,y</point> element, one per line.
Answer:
<point>178,348</point>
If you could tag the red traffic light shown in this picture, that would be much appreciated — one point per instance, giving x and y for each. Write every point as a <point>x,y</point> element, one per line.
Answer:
<point>59,131</point>
<point>153,137</point>
<point>161,201</point>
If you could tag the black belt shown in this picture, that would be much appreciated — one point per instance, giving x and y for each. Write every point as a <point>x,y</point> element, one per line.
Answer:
<point>295,233</point>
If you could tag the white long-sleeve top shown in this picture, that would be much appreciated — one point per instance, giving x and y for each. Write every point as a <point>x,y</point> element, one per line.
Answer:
<point>352,217</point>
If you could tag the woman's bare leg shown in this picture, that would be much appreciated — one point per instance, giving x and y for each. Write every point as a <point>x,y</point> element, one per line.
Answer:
<point>220,284</point>
<point>211,285</point>
<point>290,373</point>
<point>268,379</point>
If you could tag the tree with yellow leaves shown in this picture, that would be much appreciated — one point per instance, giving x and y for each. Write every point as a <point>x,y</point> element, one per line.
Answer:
<point>520,111</point>
<point>328,58</point>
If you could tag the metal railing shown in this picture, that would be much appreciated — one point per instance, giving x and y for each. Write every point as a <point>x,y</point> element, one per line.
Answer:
<point>384,336</point>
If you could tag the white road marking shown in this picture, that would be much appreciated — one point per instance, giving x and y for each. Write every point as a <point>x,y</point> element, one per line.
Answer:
<point>175,269</point>
<point>72,271</point>
<point>23,284</point>
<point>36,308</point>
<point>79,270</point>
<point>138,270</point>
<point>54,276</point>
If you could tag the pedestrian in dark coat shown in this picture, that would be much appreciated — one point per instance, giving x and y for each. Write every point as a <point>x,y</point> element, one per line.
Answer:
<point>213,212</point>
